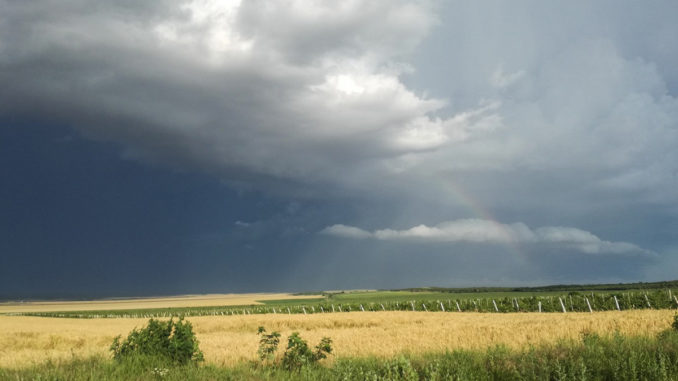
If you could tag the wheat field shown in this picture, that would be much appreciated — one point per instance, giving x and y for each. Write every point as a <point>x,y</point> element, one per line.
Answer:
<point>227,340</point>
<point>145,303</point>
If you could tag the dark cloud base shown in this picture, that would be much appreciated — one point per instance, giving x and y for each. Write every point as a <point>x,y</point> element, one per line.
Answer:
<point>176,147</point>
<point>80,222</point>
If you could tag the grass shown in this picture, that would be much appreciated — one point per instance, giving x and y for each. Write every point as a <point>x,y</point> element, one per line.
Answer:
<point>588,357</point>
<point>230,340</point>
<point>291,302</point>
<point>394,344</point>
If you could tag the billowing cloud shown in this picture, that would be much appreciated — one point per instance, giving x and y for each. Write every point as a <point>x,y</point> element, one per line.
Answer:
<point>277,89</point>
<point>313,93</point>
<point>486,231</point>
<point>551,114</point>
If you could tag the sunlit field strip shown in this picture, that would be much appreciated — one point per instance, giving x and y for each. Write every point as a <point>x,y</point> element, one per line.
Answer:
<point>146,303</point>
<point>230,339</point>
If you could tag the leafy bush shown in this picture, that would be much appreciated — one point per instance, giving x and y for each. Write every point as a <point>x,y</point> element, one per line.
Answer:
<point>675,322</point>
<point>298,354</point>
<point>171,341</point>
<point>268,344</point>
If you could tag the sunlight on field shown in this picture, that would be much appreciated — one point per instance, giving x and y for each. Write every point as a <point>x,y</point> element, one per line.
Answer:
<point>162,302</point>
<point>229,339</point>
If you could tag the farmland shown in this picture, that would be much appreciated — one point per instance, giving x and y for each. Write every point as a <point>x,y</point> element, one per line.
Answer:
<point>341,302</point>
<point>377,325</point>
<point>228,340</point>
<point>184,301</point>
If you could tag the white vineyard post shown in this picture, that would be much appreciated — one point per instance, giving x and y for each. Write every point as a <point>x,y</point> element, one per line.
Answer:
<point>647,301</point>
<point>288,311</point>
<point>333,308</point>
<point>303,309</point>
<point>616,302</point>
<point>458,308</point>
<point>412,303</point>
<point>588,304</point>
<point>382,307</point>
<point>495,306</point>
<point>441,306</point>
<point>340,308</point>
<point>539,304</point>
<point>424,305</point>
<point>322,309</point>
<point>562,304</point>
<point>676,299</point>
<point>313,309</point>
<point>516,302</point>
<point>361,308</point>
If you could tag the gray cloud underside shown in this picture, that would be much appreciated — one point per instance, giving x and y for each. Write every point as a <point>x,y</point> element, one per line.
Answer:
<point>552,114</point>
<point>279,89</point>
<point>312,91</point>
<point>485,231</point>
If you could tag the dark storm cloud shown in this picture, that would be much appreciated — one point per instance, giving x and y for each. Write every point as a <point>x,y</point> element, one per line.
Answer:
<point>547,114</point>
<point>217,86</point>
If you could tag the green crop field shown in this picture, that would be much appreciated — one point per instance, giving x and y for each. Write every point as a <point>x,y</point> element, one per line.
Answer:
<point>543,299</point>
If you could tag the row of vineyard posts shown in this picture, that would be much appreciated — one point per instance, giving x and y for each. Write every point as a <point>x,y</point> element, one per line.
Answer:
<point>571,302</point>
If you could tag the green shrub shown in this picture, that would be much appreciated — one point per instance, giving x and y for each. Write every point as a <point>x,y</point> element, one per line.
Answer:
<point>174,342</point>
<point>298,354</point>
<point>400,368</point>
<point>268,344</point>
<point>675,322</point>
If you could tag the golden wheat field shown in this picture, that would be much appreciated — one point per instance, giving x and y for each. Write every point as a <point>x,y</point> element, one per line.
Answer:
<point>138,303</point>
<point>230,339</point>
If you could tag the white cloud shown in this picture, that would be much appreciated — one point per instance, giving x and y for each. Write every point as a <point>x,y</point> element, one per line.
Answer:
<point>486,231</point>
<point>473,230</point>
<point>344,231</point>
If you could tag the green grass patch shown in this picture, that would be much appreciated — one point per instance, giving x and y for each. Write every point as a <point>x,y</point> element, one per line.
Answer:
<point>289,302</point>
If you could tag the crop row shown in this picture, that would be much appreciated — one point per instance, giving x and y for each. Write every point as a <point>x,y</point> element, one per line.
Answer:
<point>572,302</point>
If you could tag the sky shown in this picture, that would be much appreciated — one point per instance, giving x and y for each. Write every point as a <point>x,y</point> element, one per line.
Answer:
<point>174,147</point>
